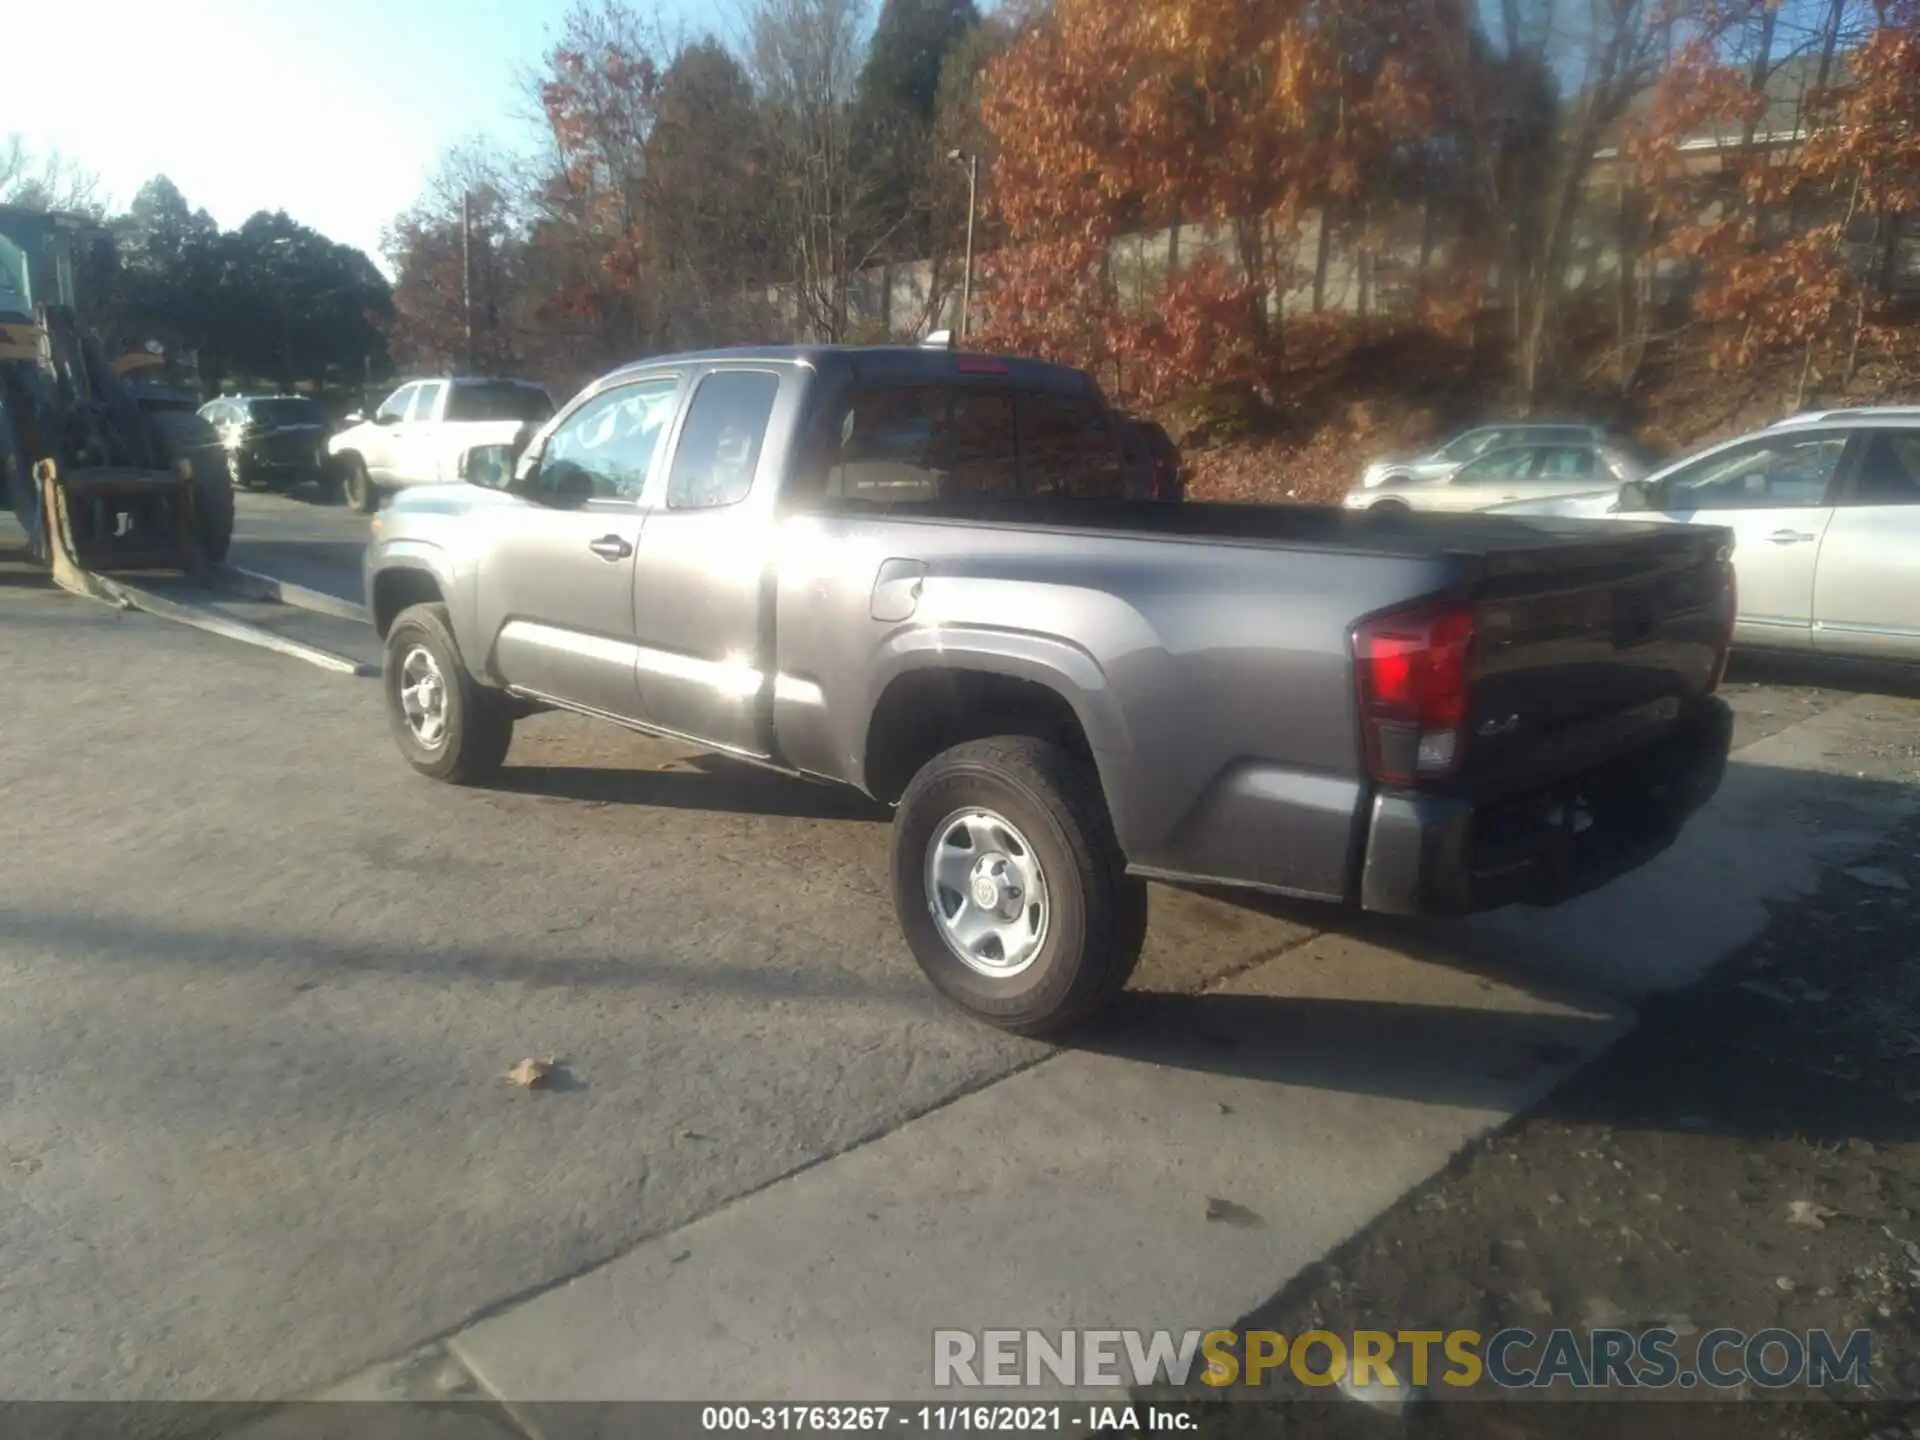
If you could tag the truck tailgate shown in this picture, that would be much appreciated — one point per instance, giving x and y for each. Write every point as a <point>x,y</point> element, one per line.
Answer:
<point>1589,648</point>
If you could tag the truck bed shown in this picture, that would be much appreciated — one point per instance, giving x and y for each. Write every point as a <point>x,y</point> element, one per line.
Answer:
<point>1412,535</point>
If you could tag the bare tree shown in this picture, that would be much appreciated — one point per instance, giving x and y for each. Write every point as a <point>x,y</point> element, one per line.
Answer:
<point>805,57</point>
<point>46,182</point>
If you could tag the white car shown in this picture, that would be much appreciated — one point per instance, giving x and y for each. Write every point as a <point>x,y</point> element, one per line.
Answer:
<point>1825,510</point>
<point>420,431</point>
<point>1514,472</point>
<point>1450,455</point>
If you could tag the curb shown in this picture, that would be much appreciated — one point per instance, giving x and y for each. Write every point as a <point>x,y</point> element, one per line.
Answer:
<point>214,623</point>
<point>255,586</point>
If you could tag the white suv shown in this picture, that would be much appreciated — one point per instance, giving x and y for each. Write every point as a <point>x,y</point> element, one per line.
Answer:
<point>419,432</point>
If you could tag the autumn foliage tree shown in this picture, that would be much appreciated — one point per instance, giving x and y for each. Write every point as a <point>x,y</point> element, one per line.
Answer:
<point>1240,118</point>
<point>1795,246</point>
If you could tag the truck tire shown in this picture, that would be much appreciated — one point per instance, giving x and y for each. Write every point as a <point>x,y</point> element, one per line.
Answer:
<point>357,486</point>
<point>1011,887</point>
<point>331,481</point>
<point>447,726</point>
<point>183,435</point>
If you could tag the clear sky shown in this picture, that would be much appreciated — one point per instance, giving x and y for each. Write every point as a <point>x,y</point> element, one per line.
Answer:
<point>333,110</point>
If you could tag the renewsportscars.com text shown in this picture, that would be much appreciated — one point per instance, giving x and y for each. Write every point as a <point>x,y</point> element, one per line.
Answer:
<point>1513,1359</point>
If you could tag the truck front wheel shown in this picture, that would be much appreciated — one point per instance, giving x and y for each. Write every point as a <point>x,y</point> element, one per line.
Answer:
<point>1011,887</point>
<point>447,726</point>
<point>357,486</point>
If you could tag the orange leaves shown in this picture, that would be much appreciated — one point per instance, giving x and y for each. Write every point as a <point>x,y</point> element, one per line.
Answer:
<point>1113,119</point>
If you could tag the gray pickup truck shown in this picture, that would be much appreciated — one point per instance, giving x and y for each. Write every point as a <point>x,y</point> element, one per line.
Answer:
<point>920,573</point>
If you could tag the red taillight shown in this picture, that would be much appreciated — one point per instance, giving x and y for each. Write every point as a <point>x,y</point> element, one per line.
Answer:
<point>1412,670</point>
<point>980,365</point>
<point>1732,601</point>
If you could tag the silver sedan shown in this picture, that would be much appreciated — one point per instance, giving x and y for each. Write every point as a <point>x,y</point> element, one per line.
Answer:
<point>1513,472</point>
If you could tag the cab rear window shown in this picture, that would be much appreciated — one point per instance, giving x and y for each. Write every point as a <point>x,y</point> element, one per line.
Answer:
<point>924,444</point>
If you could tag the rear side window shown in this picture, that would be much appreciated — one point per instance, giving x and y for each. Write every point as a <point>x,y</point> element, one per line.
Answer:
<point>720,442</point>
<point>915,445</point>
<point>1889,471</point>
<point>498,402</point>
<point>1563,462</point>
<point>1069,450</point>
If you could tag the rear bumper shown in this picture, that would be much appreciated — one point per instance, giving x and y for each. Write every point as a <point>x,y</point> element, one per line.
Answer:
<point>1432,855</point>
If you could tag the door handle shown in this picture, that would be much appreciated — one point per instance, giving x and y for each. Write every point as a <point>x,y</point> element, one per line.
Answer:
<point>610,547</point>
<point>1788,537</point>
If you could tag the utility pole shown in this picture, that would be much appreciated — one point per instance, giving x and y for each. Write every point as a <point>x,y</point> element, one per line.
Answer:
<point>966,278</point>
<point>466,270</point>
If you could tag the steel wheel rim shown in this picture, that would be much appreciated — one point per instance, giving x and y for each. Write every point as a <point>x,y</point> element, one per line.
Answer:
<point>423,698</point>
<point>986,892</point>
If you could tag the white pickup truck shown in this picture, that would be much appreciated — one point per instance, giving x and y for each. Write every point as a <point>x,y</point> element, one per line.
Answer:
<point>420,431</point>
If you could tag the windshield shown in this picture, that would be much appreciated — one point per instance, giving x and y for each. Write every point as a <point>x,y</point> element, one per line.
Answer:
<point>501,401</point>
<point>285,412</point>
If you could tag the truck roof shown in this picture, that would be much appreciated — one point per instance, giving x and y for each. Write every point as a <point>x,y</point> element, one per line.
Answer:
<point>929,360</point>
<point>465,380</point>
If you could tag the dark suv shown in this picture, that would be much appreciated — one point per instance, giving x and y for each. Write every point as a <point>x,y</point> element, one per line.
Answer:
<point>273,442</point>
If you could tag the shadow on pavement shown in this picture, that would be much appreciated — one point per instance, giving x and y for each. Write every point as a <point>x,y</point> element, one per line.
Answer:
<point>1453,1055</point>
<point>1822,672</point>
<point>709,782</point>
<point>311,962</point>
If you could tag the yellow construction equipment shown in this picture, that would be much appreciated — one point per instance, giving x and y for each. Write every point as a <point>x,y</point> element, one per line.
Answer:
<point>97,482</point>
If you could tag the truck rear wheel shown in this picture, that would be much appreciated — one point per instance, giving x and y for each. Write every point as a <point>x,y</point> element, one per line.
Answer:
<point>1011,887</point>
<point>447,726</point>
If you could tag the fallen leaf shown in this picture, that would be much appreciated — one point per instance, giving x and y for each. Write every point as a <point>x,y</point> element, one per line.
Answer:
<point>530,1073</point>
<point>1229,1213</point>
<point>1808,1215</point>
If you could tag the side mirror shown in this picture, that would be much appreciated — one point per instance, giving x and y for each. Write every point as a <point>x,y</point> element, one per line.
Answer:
<point>1637,495</point>
<point>488,466</point>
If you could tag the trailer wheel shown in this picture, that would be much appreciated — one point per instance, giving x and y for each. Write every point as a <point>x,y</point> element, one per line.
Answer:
<point>1011,887</point>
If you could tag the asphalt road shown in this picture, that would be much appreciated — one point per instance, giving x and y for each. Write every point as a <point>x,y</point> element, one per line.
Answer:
<point>297,537</point>
<point>261,986</point>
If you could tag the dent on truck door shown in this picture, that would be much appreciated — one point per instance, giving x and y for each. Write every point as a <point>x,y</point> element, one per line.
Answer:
<point>702,585</point>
